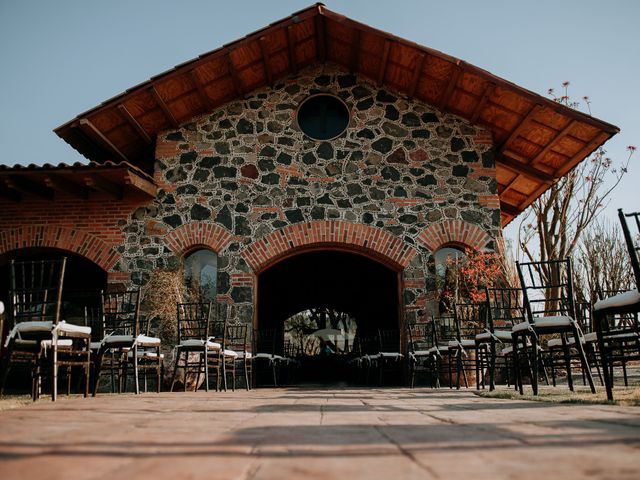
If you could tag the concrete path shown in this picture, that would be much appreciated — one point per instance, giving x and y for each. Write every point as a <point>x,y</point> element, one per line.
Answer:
<point>312,433</point>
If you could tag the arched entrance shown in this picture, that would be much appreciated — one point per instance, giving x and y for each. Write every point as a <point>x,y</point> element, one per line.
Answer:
<point>83,279</point>
<point>349,282</point>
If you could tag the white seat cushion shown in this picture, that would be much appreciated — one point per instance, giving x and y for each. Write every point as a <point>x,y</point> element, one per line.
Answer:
<point>591,337</point>
<point>557,342</point>
<point>69,328</point>
<point>95,345</point>
<point>62,342</point>
<point>390,355</point>
<point>520,327</point>
<point>502,335</point>
<point>245,354</point>
<point>230,353</point>
<point>144,354</point>
<point>507,350</point>
<point>421,353</point>
<point>484,337</point>
<point>147,341</point>
<point>439,348</point>
<point>551,322</point>
<point>117,340</point>
<point>196,342</point>
<point>621,300</point>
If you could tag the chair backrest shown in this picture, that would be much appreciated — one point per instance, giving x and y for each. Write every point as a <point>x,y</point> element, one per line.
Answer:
<point>92,319</point>
<point>236,337</point>
<point>193,320</point>
<point>121,313</point>
<point>547,288</point>
<point>470,319</point>
<point>505,308</point>
<point>444,329</point>
<point>389,340</point>
<point>265,340</point>
<point>421,336</point>
<point>632,238</point>
<point>36,290</point>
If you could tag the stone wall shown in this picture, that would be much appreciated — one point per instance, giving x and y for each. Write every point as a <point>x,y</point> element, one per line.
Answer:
<point>234,177</point>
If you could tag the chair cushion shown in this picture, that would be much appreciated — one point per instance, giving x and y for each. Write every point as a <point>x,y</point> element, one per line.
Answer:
<point>244,354</point>
<point>147,341</point>
<point>230,353</point>
<point>439,348</point>
<point>520,327</point>
<point>465,343</point>
<point>62,342</point>
<point>590,337</point>
<point>69,328</point>
<point>95,345</point>
<point>390,355</point>
<point>621,300</point>
<point>421,353</point>
<point>506,350</point>
<point>197,342</point>
<point>551,322</point>
<point>110,340</point>
<point>503,335</point>
<point>557,342</point>
<point>145,354</point>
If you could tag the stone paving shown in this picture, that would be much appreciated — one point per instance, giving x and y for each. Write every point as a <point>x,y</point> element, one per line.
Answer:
<point>317,433</point>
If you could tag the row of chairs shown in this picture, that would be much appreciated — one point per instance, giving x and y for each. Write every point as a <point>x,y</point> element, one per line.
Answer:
<point>533,328</point>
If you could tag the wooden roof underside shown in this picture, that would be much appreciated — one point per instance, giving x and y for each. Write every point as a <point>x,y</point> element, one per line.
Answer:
<point>117,180</point>
<point>537,140</point>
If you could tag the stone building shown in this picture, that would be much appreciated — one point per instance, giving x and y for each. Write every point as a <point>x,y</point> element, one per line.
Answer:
<point>401,151</point>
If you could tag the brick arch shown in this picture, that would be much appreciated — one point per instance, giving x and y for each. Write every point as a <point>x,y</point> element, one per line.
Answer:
<point>453,231</point>
<point>328,233</point>
<point>70,239</point>
<point>189,235</point>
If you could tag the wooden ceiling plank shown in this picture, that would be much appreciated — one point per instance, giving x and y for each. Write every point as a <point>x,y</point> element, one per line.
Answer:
<point>201,92</point>
<point>488,90</point>
<point>291,47</point>
<point>28,186</point>
<point>523,169</point>
<point>321,38</point>
<point>417,74</point>
<point>583,153</point>
<point>235,79</point>
<point>382,71</point>
<point>265,60</point>
<point>90,130</point>
<point>134,123</point>
<point>64,185</point>
<point>553,141</point>
<point>509,209</point>
<point>451,86</point>
<point>163,106</point>
<point>355,51</point>
<point>101,184</point>
<point>140,184</point>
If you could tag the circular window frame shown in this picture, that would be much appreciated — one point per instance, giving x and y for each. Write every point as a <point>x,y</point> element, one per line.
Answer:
<point>324,94</point>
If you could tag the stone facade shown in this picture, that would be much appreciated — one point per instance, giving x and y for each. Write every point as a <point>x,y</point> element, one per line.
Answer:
<point>246,182</point>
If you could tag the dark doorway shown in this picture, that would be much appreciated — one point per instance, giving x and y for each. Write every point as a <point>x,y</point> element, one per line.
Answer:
<point>83,280</point>
<point>364,289</point>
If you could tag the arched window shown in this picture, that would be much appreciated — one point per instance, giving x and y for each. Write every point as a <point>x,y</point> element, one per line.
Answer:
<point>200,272</point>
<point>447,262</point>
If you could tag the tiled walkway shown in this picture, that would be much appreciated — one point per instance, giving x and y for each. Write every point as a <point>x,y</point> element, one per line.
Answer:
<point>317,434</point>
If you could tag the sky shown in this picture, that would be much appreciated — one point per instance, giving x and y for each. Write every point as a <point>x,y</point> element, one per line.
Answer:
<point>60,58</point>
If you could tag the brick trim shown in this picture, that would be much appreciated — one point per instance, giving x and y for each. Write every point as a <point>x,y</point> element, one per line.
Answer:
<point>192,234</point>
<point>373,241</point>
<point>453,231</point>
<point>70,239</point>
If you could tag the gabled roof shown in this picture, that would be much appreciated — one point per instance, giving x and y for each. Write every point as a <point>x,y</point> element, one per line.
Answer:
<point>537,140</point>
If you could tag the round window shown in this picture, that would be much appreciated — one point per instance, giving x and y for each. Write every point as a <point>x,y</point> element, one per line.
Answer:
<point>323,117</point>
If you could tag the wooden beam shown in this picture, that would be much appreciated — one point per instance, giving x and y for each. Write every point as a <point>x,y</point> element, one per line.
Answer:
<point>382,70</point>
<point>233,73</point>
<point>97,136</point>
<point>583,153</point>
<point>61,184</point>
<point>22,184</point>
<point>523,169</point>
<point>415,80</point>
<point>201,92</point>
<point>451,86</point>
<point>265,60</point>
<point>555,140</point>
<point>163,106</point>
<point>321,38</point>
<point>134,123</point>
<point>355,51</point>
<point>141,184</point>
<point>523,123</point>
<point>101,184</point>
<point>488,90</point>
<point>509,209</point>
<point>291,47</point>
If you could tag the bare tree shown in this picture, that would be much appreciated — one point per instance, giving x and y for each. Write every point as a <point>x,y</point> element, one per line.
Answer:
<point>601,261</point>
<point>555,222</point>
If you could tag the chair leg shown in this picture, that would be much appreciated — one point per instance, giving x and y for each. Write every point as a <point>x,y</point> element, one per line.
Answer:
<point>175,369</point>
<point>54,371</point>
<point>135,369</point>
<point>516,363</point>
<point>583,360</point>
<point>206,370</point>
<point>492,366</point>
<point>536,365</point>
<point>567,360</point>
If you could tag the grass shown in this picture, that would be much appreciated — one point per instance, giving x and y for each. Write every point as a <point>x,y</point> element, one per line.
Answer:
<point>624,396</point>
